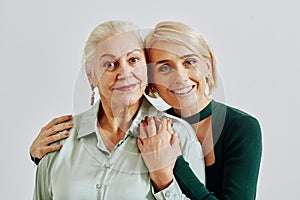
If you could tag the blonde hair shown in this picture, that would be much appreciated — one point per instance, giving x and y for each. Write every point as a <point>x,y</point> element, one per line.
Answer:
<point>182,34</point>
<point>102,32</point>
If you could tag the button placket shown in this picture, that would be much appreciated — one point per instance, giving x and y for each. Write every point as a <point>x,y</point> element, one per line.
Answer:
<point>167,194</point>
<point>98,186</point>
<point>107,165</point>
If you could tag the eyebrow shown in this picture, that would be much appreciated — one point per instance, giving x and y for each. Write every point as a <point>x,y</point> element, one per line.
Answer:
<point>129,53</point>
<point>107,55</point>
<point>189,55</point>
<point>182,57</point>
<point>135,50</point>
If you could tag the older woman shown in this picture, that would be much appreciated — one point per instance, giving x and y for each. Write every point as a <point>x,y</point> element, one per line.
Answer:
<point>100,159</point>
<point>182,66</point>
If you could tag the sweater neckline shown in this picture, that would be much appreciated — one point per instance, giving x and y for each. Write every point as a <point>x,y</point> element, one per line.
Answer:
<point>203,114</point>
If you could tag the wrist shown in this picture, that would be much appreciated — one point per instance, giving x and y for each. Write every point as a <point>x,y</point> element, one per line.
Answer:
<point>161,180</point>
<point>35,160</point>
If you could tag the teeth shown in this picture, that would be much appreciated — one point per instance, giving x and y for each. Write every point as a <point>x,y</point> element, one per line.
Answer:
<point>183,90</point>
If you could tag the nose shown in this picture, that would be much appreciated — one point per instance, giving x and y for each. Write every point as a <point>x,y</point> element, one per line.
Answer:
<point>181,75</point>
<point>125,70</point>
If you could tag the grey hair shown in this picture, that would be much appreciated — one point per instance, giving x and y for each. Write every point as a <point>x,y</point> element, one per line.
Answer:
<point>102,32</point>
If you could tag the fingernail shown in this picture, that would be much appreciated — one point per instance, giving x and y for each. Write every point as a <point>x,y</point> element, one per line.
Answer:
<point>67,134</point>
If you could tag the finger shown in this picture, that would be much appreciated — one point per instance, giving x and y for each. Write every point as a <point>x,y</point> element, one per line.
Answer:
<point>143,132</point>
<point>59,127</point>
<point>174,139</point>
<point>169,126</point>
<point>57,120</point>
<point>140,144</point>
<point>175,144</point>
<point>157,122</point>
<point>162,125</point>
<point>49,149</point>
<point>151,128</point>
<point>57,137</point>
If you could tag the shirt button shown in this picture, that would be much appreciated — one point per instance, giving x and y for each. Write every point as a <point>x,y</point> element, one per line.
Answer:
<point>107,165</point>
<point>98,186</point>
<point>167,194</point>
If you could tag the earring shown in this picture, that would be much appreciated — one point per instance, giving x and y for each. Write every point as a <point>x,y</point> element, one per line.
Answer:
<point>207,78</point>
<point>92,95</point>
<point>208,84</point>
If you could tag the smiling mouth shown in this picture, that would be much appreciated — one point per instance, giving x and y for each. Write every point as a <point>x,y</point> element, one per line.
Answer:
<point>125,87</point>
<point>183,91</point>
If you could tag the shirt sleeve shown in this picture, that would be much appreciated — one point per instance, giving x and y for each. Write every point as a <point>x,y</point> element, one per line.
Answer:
<point>42,189</point>
<point>194,156</point>
<point>173,191</point>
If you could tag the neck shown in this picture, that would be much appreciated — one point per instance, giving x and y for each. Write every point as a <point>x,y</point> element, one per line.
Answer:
<point>196,108</point>
<point>116,118</point>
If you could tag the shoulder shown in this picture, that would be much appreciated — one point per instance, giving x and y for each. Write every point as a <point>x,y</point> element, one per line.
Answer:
<point>181,127</point>
<point>234,116</point>
<point>238,124</point>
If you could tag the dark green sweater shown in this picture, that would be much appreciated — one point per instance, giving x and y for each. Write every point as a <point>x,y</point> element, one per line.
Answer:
<point>238,149</point>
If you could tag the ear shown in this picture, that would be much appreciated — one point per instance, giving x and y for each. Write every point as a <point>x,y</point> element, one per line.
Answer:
<point>91,79</point>
<point>208,67</point>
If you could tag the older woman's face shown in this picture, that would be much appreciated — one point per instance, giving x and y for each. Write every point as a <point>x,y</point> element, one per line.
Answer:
<point>178,74</point>
<point>120,70</point>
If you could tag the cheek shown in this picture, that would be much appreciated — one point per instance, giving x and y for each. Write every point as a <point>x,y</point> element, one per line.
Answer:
<point>161,79</point>
<point>98,74</point>
<point>198,75</point>
<point>141,73</point>
<point>201,70</point>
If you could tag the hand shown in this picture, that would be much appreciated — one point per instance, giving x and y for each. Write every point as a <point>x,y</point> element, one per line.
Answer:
<point>159,146</point>
<point>41,145</point>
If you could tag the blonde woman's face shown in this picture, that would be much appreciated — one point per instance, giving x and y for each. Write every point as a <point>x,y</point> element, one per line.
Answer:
<point>120,70</point>
<point>178,74</point>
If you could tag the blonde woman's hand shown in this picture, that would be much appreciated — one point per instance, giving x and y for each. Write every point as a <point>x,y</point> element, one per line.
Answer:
<point>159,146</point>
<point>48,134</point>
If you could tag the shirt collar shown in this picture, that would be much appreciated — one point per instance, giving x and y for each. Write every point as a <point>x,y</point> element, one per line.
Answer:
<point>87,119</point>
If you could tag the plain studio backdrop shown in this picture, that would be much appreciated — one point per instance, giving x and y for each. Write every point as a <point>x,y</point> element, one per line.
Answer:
<point>257,47</point>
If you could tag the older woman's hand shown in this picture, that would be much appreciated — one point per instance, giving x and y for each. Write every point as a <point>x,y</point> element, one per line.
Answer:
<point>159,146</point>
<point>41,144</point>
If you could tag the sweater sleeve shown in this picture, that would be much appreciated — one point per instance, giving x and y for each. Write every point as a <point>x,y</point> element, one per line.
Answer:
<point>242,156</point>
<point>188,181</point>
<point>242,150</point>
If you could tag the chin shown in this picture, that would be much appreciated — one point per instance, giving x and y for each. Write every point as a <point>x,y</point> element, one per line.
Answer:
<point>128,100</point>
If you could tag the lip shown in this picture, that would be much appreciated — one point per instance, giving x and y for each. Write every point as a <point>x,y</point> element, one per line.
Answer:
<point>183,91</point>
<point>125,88</point>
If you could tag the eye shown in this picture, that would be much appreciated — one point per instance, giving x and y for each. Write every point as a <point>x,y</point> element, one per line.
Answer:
<point>133,60</point>
<point>190,62</point>
<point>164,68</point>
<point>110,65</point>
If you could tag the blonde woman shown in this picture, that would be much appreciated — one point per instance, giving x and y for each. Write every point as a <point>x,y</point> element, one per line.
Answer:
<point>182,66</point>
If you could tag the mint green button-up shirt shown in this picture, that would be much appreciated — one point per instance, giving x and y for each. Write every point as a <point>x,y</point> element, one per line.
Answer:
<point>85,169</point>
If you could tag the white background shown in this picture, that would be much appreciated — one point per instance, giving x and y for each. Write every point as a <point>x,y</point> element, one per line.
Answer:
<point>257,46</point>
